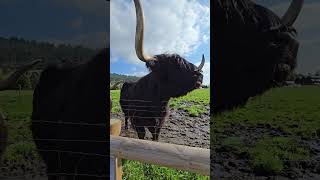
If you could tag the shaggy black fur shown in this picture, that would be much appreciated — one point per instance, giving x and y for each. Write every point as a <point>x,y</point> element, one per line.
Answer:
<point>73,94</point>
<point>145,102</point>
<point>3,135</point>
<point>252,52</point>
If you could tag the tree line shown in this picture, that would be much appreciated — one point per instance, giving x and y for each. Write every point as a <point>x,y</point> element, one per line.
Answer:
<point>116,80</point>
<point>15,51</point>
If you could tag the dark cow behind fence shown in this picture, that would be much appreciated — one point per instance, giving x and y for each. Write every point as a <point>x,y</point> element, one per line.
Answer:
<point>69,119</point>
<point>145,102</point>
<point>253,50</point>
<point>10,83</point>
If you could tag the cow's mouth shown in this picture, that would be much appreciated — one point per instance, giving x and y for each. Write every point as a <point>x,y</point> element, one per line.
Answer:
<point>288,59</point>
<point>282,73</point>
<point>198,84</point>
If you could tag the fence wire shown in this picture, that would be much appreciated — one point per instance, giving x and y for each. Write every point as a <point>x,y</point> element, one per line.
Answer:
<point>139,107</point>
<point>147,118</point>
<point>105,124</point>
<point>143,107</point>
<point>57,142</point>
<point>144,111</point>
<point>143,116</point>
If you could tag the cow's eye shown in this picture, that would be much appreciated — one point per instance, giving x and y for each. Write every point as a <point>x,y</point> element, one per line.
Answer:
<point>198,72</point>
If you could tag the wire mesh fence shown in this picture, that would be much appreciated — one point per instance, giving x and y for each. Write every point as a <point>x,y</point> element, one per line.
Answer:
<point>19,168</point>
<point>154,112</point>
<point>146,112</point>
<point>158,118</point>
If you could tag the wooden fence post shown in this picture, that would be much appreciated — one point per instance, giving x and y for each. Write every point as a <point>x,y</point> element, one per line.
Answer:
<point>115,163</point>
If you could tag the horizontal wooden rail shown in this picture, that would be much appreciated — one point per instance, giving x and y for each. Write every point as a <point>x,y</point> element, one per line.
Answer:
<point>169,155</point>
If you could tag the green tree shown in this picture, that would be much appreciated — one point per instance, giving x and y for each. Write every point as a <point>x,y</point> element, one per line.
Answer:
<point>34,78</point>
<point>24,82</point>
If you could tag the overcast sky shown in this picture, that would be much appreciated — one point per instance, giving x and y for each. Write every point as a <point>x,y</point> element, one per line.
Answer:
<point>308,27</point>
<point>171,26</point>
<point>81,22</point>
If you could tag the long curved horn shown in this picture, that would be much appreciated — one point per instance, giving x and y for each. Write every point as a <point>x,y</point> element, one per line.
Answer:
<point>140,33</point>
<point>10,81</point>
<point>202,63</point>
<point>292,13</point>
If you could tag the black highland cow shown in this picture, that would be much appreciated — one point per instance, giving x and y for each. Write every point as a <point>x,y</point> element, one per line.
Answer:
<point>3,135</point>
<point>69,119</point>
<point>9,84</point>
<point>145,102</point>
<point>254,50</point>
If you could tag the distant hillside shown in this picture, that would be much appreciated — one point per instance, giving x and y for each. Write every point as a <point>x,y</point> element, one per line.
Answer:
<point>15,51</point>
<point>119,77</point>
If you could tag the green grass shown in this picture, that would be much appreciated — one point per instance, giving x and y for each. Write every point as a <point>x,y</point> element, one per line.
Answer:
<point>196,100</point>
<point>270,153</point>
<point>115,95</point>
<point>294,111</point>
<point>22,152</point>
<point>234,144</point>
<point>134,170</point>
<point>194,103</point>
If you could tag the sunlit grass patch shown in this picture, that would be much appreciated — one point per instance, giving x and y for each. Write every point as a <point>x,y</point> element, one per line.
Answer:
<point>194,103</point>
<point>133,170</point>
<point>269,154</point>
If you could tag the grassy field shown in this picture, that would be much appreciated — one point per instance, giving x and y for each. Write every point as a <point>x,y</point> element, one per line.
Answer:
<point>22,154</point>
<point>292,114</point>
<point>194,102</point>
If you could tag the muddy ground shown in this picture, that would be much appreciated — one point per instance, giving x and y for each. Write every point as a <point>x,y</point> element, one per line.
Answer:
<point>227,165</point>
<point>180,128</point>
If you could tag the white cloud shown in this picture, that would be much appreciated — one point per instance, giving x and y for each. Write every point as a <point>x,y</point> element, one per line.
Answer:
<point>206,38</point>
<point>170,26</point>
<point>138,73</point>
